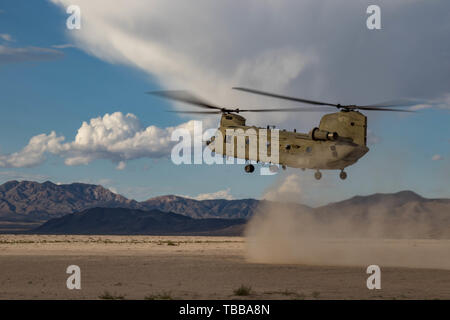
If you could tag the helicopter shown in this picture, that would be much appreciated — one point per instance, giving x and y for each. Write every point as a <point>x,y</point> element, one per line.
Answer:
<point>339,140</point>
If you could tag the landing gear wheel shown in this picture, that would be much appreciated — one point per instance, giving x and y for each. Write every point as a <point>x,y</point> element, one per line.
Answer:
<point>249,168</point>
<point>343,175</point>
<point>318,175</point>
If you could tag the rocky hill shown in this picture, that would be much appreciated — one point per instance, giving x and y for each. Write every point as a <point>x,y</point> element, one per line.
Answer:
<point>36,201</point>
<point>120,221</point>
<point>400,214</point>
<point>218,208</point>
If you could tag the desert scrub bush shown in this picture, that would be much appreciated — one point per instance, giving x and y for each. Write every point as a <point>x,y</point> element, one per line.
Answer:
<point>165,295</point>
<point>243,291</point>
<point>108,296</point>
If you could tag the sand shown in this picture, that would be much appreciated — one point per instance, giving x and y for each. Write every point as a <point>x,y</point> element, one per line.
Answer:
<point>140,267</point>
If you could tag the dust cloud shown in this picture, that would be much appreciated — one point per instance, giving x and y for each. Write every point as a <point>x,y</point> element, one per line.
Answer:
<point>281,233</point>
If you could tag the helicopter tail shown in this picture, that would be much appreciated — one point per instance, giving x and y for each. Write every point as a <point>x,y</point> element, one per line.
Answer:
<point>348,124</point>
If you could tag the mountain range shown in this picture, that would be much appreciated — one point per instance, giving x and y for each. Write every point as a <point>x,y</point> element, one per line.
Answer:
<point>37,201</point>
<point>40,201</point>
<point>34,203</point>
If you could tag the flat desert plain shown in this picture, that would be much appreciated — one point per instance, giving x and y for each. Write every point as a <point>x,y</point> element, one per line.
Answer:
<point>171,267</point>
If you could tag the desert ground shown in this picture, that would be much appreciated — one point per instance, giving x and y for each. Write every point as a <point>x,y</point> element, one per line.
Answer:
<point>171,267</point>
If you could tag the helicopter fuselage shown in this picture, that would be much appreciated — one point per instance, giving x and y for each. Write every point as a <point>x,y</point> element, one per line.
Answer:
<point>338,142</point>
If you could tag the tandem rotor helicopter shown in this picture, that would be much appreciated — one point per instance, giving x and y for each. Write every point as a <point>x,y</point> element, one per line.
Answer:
<point>339,141</point>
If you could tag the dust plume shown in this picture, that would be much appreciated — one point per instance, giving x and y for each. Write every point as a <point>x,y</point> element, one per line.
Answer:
<point>386,234</point>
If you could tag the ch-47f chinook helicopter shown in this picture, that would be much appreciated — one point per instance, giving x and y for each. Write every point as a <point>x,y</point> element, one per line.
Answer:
<point>339,141</point>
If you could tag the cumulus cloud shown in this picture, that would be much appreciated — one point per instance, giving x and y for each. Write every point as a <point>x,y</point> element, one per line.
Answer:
<point>34,153</point>
<point>10,54</point>
<point>314,49</point>
<point>222,194</point>
<point>116,137</point>
<point>288,189</point>
<point>121,165</point>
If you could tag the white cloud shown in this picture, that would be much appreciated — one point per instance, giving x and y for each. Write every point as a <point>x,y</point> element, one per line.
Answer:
<point>10,54</point>
<point>63,46</point>
<point>437,157</point>
<point>442,102</point>
<point>314,49</point>
<point>121,165</point>
<point>202,58</point>
<point>6,37</point>
<point>34,153</point>
<point>14,175</point>
<point>372,138</point>
<point>116,137</point>
<point>288,189</point>
<point>222,194</point>
<point>420,107</point>
<point>119,137</point>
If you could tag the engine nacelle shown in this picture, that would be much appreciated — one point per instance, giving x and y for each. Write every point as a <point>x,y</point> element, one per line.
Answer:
<point>322,135</point>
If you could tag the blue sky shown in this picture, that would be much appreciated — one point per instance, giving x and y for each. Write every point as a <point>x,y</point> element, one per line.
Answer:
<point>76,84</point>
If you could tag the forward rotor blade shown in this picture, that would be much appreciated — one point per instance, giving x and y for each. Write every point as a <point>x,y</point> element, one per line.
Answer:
<point>186,97</point>
<point>278,96</point>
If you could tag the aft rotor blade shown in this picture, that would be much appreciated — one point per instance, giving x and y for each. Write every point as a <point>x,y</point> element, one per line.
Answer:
<point>186,97</point>
<point>380,109</point>
<point>395,103</point>
<point>278,96</point>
